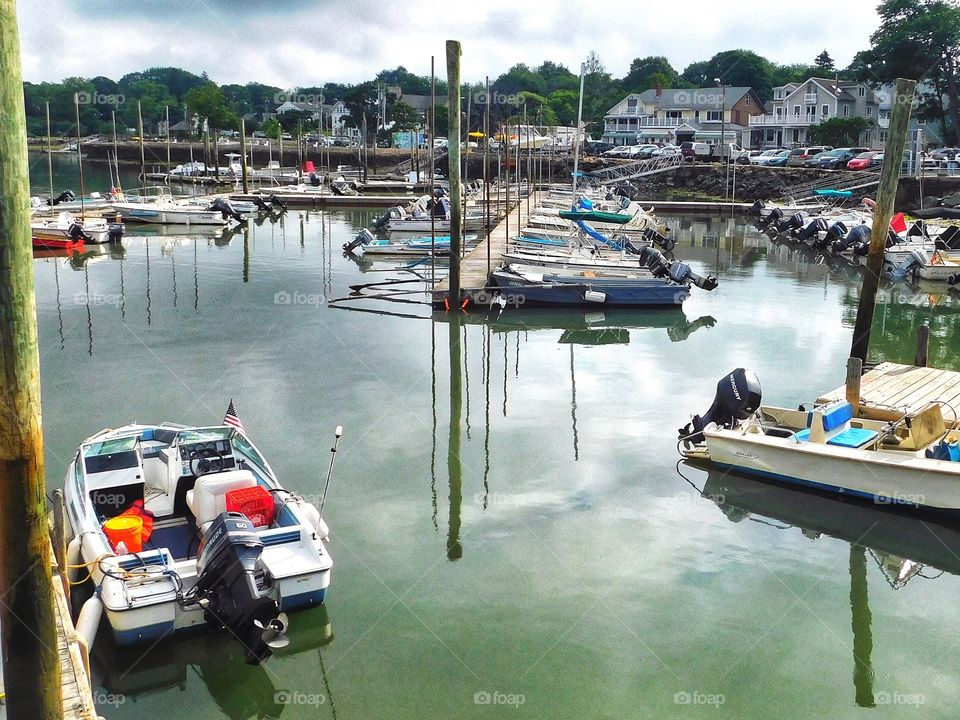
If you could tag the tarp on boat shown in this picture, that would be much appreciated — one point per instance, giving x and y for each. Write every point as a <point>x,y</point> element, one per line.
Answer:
<point>596,216</point>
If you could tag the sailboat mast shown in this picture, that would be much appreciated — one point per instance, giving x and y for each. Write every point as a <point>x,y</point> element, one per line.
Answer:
<point>576,137</point>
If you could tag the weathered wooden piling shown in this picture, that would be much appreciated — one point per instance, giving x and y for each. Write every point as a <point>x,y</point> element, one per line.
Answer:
<point>886,197</point>
<point>456,185</point>
<point>243,156</point>
<point>31,667</point>
<point>923,340</point>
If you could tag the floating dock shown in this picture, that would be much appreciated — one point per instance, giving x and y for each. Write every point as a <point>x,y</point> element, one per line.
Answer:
<point>330,200</point>
<point>890,389</point>
<point>76,694</point>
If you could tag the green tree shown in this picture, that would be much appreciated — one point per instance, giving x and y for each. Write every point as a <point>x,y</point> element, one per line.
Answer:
<point>918,39</point>
<point>823,62</point>
<point>209,102</point>
<point>557,77</point>
<point>741,68</point>
<point>647,72</point>
<point>517,79</point>
<point>564,106</point>
<point>839,131</point>
<point>272,128</point>
<point>403,116</point>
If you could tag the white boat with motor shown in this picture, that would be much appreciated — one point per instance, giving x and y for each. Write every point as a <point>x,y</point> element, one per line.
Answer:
<point>67,227</point>
<point>914,460</point>
<point>178,527</point>
<point>157,205</point>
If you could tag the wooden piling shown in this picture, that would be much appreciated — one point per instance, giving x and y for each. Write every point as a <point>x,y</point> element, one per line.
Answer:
<point>453,149</point>
<point>143,159</point>
<point>923,339</point>
<point>854,375</point>
<point>243,156</point>
<point>886,197</point>
<point>28,634</point>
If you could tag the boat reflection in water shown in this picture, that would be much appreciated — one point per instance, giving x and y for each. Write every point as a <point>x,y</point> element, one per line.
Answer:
<point>240,691</point>
<point>904,545</point>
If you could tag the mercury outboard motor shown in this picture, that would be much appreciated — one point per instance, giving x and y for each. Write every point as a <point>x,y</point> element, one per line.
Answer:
<point>261,205</point>
<point>755,209</point>
<point>679,272</point>
<point>835,232</point>
<point>363,237</point>
<point>65,196</point>
<point>792,223</point>
<point>812,231</point>
<point>656,238</point>
<point>314,179</point>
<point>226,209</point>
<point>773,216</point>
<point>276,203</point>
<point>738,397</point>
<point>235,590</point>
<point>915,259</point>
<point>76,232</point>
<point>856,236</point>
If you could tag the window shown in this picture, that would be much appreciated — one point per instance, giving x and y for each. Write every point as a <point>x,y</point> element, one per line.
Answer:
<point>825,110</point>
<point>869,110</point>
<point>714,116</point>
<point>674,114</point>
<point>779,95</point>
<point>746,101</point>
<point>779,111</point>
<point>846,110</point>
<point>696,115</point>
<point>631,103</point>
<point>796,110</point>
<point>861,91</point>
<point>883,136</point>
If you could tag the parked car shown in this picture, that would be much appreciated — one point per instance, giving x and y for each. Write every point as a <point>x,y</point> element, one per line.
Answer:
<point>838,158</point>
<point>945,153</point>
<point>691,150</point>
<point>667,149</point>
<point>643,151</point>
<point>875,162</point>
<point>761,157</point>
<point>862,161</point>
<point>799,156</point>
<point>778,159</point>
<point>596,147</point>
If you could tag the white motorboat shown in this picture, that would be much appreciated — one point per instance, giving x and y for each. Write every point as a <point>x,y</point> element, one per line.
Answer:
<point>178,527</point>
<point>66,227</point>
<point>912,461</point>
<point>157,205</point>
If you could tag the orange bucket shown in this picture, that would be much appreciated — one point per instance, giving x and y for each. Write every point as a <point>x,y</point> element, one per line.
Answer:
<point>126,529</point>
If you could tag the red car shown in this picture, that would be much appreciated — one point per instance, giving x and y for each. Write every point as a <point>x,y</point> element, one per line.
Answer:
<point>862,161</point>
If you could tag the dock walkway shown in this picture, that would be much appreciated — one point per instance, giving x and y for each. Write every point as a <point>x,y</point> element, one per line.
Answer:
<point>474,276</point>
<point>76,694</point>
<point>904,388</point>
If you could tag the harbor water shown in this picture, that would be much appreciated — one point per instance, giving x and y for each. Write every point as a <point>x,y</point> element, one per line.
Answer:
<point>511,532</point>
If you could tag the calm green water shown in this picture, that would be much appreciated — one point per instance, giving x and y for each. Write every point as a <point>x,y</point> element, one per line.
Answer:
<point>516,541</point>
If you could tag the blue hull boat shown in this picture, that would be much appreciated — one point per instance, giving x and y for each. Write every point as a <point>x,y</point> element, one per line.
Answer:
<point>588,289</point>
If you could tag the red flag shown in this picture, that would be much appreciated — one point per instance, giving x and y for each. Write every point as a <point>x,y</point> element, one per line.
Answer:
<point>898,223</point>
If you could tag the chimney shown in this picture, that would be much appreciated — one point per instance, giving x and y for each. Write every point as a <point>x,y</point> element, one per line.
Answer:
<point>659,89</point>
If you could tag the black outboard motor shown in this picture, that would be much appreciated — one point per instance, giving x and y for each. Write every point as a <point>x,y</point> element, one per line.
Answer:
<point>835,232</point>
<point>276,203</point>
<point>314,179</point>
<point>65,196</point>
<point>115,231</point>
<point>856,236</point>
<point>261,205</point>
<point>738,397</point>
<point>363,237</point>
<point>679,272</point>
<point>226,209</point>
<point>76,232</point>
<point>773,216</point>
<point>812,231</point>
<point>794,222</point>
<point>953,279</point>
<point>235,590</point>
<point>755,209</point>
<point>656,238</point>
<point>441,208</point>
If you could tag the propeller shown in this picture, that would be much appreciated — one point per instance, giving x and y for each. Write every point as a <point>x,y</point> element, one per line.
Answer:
<point>273,633</point>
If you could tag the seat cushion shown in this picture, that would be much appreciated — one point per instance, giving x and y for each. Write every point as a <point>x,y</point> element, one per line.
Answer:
<point>849,438</point>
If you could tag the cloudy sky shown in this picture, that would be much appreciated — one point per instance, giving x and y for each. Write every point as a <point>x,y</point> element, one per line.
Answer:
<point>292,43</point>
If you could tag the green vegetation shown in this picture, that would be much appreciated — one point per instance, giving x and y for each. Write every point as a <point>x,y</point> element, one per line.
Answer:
<point>839,131</point>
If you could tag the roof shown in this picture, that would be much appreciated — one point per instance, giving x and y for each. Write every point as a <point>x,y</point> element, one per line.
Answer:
<point>708,98</point>
<point>420,102</point>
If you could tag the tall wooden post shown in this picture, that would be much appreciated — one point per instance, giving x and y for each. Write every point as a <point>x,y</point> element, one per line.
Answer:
<point>453,148</point>
<point>243,156</point>
<point>886,197</point>
<point>28,635</point>
<point>143,159</point>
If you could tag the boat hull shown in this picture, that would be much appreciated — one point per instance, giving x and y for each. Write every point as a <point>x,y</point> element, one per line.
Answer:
<point>554,290</point>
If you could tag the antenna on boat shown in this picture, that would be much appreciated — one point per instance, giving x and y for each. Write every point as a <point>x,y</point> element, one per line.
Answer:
<point>333,457</point>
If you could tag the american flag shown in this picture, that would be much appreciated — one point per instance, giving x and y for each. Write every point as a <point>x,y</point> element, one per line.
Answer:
<point>231,417</point>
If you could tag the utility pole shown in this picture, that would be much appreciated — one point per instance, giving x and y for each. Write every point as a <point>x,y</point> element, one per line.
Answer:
<point>28,633</point>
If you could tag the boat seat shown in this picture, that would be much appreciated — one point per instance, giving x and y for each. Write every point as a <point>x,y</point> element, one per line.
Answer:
<point>208,499</point>
<point>830,424</point>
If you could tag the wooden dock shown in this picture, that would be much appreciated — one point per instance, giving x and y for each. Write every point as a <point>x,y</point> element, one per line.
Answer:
<point>889,390</point>
<point>474,275</point>
<point>76,694</point>
<point>330,200</point>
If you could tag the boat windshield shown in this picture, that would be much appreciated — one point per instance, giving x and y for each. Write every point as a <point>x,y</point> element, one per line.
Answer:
<point>195,435</point>
<point>111,446</point>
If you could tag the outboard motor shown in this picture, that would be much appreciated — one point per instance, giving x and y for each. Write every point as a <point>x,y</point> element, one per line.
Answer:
<point>835,232</point>
<point>115,231</point>
<point>773,216</point>
<point>314,179</point>
<point>655,238</point>
<point>235,590</point>
<point>738,397</point>
<point>680,272</point>
<point>276,203</point>
<point>441,208</point>
<point>261,205</point>
<point>812,231</point>
<point>76,232</point>
<point>953,279</point>
<point>914,259</point>
<point>755,209</point>
<point>226,209</point>
<point>363,237</point>
<point>792,223</point>
<point>65,196</point>
<point>856,236</point>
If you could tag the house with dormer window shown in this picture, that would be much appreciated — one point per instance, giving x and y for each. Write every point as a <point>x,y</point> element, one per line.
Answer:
<point>797,107</point>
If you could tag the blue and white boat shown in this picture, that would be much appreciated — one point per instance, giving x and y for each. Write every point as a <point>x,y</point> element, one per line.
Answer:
<point>203,562</point>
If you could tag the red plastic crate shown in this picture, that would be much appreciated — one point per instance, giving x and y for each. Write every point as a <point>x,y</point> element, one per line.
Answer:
<point>254,502</point>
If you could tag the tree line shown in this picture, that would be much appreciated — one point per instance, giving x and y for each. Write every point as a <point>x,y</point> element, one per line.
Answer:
<point>918,39</point>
